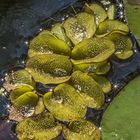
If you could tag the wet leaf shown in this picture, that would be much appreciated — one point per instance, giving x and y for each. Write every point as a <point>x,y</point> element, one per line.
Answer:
<point>121,119</point>
<point>27,99</point>
<point>65,103</point>
<point>111,12</point>
<point>81,130</point>
<point>46,43</point>
<point>92,50</point>
<point>98,68</point>
<point>59,32</point>
<point>123,45</point>
<point>90,91</point>
<point>18,91</point>
<point>98,11</point>
<point>132,14</point>
<point>81,27</point>
<point>49,68</point>
<point>22,77</point>
<point>18,79</point>
<point>41,127</point>
<point>108,26</point>
<point>39,107</point>
<point>103,82</point>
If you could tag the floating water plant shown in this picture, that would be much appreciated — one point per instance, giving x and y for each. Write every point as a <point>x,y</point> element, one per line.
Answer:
<point>73,56</point>
<point>42,126</point>
<point>81,130</point>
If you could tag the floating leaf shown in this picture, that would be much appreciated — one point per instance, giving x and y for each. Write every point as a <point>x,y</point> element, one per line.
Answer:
<point>49,68</point>
<point>121,119</point>
<point>108,26</point>
<point>81,27</point>
<point>111,12</point>
<point>132,13</point>
<point>81,130</point>
<point>122,43</point>
<point>103,82</point>
<point>98,11</point>
<point>22,77</point>
<point>46,43</point>
<point>90,91</point>
<point>18,91</point>
<point>98,68</point>
<point>40,127</point>
<point>39,107</point>
<point>92,50</point>
<point>65,103</point>
<point>27,99</point>
<point>59,32</point>
<point>18,79</point>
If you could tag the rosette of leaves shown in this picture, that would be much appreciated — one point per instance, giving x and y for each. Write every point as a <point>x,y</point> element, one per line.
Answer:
<point>75,56</point>
<point>22,89</point>
<point>65,103</point>
<point>81,130</point>
<point>42,126</point>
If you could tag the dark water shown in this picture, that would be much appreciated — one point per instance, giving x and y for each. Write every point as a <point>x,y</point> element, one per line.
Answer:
<point>22,20</point>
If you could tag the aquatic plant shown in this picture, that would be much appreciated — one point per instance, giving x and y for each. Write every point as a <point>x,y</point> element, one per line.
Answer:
<point>75,57</point>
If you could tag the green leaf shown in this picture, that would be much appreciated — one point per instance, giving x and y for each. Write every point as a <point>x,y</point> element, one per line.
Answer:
<point>98,68</point>
<point>102,81</point>
<point>28,99</point>
<point>132,14</point>
<point>98,11</point>
<point>39,107</point>
<point>121,119</point>
<point>81,130</point>
<point>18,91</point>
<point>40,127</point>
<point>49,68</point>
<point>123,44</point>
<point>46,43</point>
<point>89,89</point>
<point>59,32</point>
<point>65,103</point>
<point>108,26</point>
<point>111,11</point>
<point>81,27</point>
<point>92,50</point>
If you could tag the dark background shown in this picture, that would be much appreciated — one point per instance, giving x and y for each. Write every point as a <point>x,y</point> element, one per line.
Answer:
<point>20,20</point>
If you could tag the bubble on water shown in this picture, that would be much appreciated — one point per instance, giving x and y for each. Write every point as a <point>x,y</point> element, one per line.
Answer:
<point>106,8</point>
<point>22,62</point>
<point>121,13</point>
<point>67,16</point>
<point>62,18</point>
<point>120,5</point>
<point>135,50</point>
<point>40,29</point>
<point>7,106</point>
<point>116,86</point>
<point>2,79</point>
<point>4,48</point>
<point>26,42</point>
<point>108,100</point>
<point>50,89</point>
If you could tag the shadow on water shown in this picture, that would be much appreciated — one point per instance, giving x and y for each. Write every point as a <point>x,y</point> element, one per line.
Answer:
<point>22,20</point>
